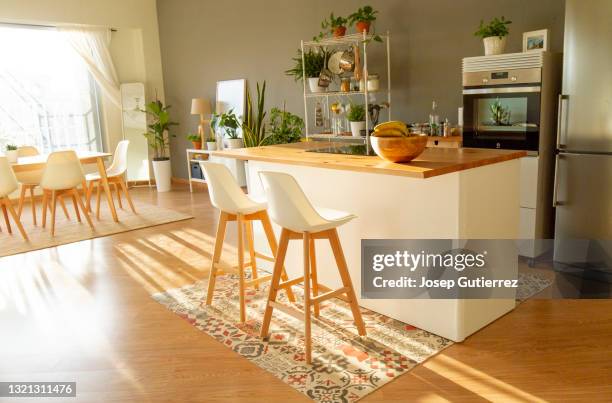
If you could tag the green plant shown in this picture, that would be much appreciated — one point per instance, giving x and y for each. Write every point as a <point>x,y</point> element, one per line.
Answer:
<point>11,147</point>
<point>314,61</point>
<point>365,14</point>
<point>228,122</point>
<point>331,25</point>
<point>356,113</point>
<point>253,127</point>
<point>211,139</point>
<point>157,130</point>
<point>500,114</point>
<point>496,27</point>
<point>194,137</point>
<point>285,127</point>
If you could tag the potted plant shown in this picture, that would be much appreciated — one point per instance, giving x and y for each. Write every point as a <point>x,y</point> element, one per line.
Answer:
<point>285,127</point>
<point>494,35</point>
<point>196,140</point>
<point>314,61</point>
<point>356,115</point>
<point>230,124</point>
<point>211,143</point>
<point>158,138</point>
<point>335,25</point>
<point>253,126</point>
<point>11,153</point>
<point>363,18</point>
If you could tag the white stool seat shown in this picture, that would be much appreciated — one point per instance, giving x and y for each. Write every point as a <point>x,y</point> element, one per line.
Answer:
<point>225,194</point>
<point>330,219</point>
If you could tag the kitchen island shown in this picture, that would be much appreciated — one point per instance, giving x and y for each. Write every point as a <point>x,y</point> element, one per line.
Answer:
<point>445,193</point>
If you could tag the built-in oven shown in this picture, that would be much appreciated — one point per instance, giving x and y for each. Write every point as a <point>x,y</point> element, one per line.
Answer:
<point>501,109</point>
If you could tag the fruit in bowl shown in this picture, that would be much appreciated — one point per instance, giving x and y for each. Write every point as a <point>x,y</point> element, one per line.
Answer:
<point>392,141</point>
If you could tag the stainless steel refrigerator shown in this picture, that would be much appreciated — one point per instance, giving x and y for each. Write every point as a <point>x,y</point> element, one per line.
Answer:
<point>583,166</point>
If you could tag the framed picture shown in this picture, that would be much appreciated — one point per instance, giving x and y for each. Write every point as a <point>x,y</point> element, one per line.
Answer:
<point>535,40</point>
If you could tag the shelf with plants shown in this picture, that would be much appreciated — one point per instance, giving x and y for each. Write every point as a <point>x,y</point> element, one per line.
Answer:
<point>341,93</point>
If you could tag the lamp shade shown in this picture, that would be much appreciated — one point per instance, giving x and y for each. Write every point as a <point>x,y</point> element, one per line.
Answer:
<point>200,106</point>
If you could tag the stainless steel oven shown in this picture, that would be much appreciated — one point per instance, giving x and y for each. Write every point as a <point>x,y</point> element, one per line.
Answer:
<point>501,109</point>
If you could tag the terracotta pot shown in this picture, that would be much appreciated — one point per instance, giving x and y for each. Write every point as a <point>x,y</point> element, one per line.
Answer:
<point>339,31</point>
<point>197,145</point>
<point>363,26</point>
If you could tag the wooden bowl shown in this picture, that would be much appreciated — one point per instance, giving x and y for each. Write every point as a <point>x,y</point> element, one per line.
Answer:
<point>398,149</point>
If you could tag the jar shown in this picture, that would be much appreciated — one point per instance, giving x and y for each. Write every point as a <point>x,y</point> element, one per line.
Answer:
<point>345,84</point>
<point>373,82</point>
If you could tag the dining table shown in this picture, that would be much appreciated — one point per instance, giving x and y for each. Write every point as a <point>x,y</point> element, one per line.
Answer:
<point>38,162</point>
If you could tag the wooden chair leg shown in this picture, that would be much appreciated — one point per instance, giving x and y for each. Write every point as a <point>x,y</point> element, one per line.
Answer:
<point>88,192</point>
<point>269,231</point>
<point>98,190</point>
<point>76,208</point>
<point>334,241</point>
<point>276,277</point>
<point>6,219</point>
<point>240,222</point>
<point>82,206</point>
<point>54,198</point>
<point>61,200</point>
<point>45,202</point>
<point>118,191</point>
<point>11,210</point>
<point>313,274</point>
<point>307,325</point>
<point>216,256</point>
<point>33,203</point>
<point>22,197</point>
<point>248,227</point>
<point>127,194</point>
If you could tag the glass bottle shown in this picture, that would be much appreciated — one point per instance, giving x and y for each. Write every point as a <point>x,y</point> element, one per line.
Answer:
<point>318,115</point>
<point>434,119</point>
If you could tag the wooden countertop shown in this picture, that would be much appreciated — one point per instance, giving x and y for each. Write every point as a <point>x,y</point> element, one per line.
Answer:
<point>433,161</point>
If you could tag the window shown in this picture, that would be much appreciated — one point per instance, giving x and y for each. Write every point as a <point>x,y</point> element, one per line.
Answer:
<point>47,96</point>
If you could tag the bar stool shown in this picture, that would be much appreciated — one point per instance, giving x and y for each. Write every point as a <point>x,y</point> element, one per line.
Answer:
<point>227,196</point>
<point>290,208</point>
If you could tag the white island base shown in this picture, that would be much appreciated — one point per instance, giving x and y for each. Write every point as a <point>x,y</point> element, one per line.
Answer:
<point>477,203</point>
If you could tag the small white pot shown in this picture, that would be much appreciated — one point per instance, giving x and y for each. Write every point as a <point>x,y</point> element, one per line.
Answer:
<point>357,127</point>
<point>313,83</point>
<point>233,143</point>
<point>163,175</point>
<point>211,145</point>
<point>11,156</point>
<point>494,45</point>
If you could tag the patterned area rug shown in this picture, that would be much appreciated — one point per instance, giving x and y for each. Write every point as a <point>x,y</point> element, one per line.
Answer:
<point>345,367</point>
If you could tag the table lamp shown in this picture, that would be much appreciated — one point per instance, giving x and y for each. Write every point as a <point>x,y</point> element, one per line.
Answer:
<point>201,106</point>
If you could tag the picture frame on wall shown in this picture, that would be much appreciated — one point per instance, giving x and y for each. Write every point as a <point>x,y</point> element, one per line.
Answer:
<point>535,41</point>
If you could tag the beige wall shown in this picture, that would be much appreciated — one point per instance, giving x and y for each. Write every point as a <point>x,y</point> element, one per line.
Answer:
<point>204,41</point>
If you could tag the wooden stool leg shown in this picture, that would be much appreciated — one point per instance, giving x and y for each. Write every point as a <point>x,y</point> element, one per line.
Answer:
<point>313,274</point>
<point>127,194</point>
<point>33,203</point>
<point>6,219</point>
<point>54,198</point>
<point>76,208</point>
<point>240,222</point>
<point>307,327</point>
<point>118,191</point>
<point>248,227</point>
<point>22,197</point>
<point>77,197</point>
<point>45,201</point>
<point>216,256</point>
<point>276,276</point>
<point>346,280</point>
<point>267,226</point>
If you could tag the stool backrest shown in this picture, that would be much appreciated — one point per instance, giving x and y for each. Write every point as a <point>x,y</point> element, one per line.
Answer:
<point>225,194</point>
<point>8,182</point>
<point>62,171</point>
<point>119,164</point>
<point>27,151</point>
<point>288,206</point>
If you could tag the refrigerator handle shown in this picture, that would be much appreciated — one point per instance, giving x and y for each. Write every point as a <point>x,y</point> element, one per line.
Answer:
<point>555,181</point>
<point>562,97</point>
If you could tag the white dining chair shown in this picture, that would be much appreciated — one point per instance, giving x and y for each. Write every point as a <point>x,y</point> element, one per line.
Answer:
<point>30,180</point>
<point>115,175</point>
<point>290,208</point>
<point>8,184</point>
<point>61,176</point>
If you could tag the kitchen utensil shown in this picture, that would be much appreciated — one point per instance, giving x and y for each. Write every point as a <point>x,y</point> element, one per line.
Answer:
<point>347,61</point>
<point>398,149</point>
<point>326,76</point>
<point>334,63</point>
<point>357,73</point>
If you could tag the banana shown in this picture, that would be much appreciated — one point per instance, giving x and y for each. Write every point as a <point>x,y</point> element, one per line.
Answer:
<point>393,124</point>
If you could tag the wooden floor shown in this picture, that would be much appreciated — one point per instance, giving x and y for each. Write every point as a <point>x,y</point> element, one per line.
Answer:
<point>82,312</point>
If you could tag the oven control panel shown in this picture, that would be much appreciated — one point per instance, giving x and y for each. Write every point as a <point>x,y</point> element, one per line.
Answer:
<point>502,77</point>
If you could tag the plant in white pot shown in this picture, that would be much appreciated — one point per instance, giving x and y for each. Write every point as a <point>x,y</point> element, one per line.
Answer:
<point>229,123</point>
<point>356,116</point>
<point>314,62</point>
<point>158,138</point>
<point>211,143</point>
<point>11,153</point>
<point>494,35</point>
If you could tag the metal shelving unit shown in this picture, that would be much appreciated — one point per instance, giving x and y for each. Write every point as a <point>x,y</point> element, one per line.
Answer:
<point>361,40</point>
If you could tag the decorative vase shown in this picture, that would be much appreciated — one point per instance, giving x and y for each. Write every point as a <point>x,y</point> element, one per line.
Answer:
<point>363,26</point>
<point>197,145</point>
<point>313,83</point>
<point>494,45</point>
<point>357,128</point>
<point>211,145</point>
<point>12,156</point>
<point>163,174</point>
<point>339,32</point>
<point>234,143</point>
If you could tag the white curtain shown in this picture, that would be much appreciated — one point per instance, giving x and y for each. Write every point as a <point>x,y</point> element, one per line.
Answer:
<point>92,44</point>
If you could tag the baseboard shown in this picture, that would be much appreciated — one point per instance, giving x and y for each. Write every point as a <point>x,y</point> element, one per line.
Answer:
<point>184,181</point>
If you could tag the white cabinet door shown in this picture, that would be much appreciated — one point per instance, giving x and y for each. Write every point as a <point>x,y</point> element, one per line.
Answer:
<point>529,182</point>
